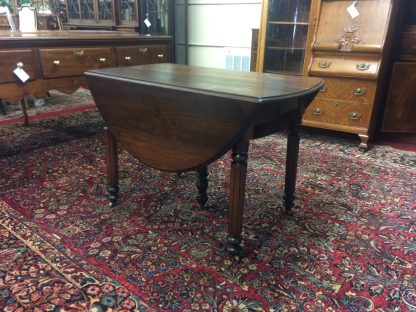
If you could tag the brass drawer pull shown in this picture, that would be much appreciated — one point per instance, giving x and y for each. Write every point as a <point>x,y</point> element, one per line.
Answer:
<point>102,59</point>
<point>318,111</point>
<point>78,53</point>
<point>354,115</point>
<point>363,66</point>
<point>161,56</point>
<point>324,64</point>
<point>19,64</point>
<point>127,59</point>
<point>359,91</point>
<point>56,62</point>
<point>143,50</point>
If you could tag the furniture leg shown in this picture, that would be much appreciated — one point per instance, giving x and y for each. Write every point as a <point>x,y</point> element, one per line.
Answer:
<point>292,153</point>
<point>364,145</point>
<point>237,193</point>
<point>202,185</point>
<point>23,105</point>
<point>111,162</point>
<point>2,107</point>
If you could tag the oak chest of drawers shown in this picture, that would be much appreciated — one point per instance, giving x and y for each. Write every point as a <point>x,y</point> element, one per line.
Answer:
<point>351,53</point>
<point>57,60</point>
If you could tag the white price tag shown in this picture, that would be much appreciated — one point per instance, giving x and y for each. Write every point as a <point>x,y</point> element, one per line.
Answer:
<point>147,22</point>
<point>20,72</point>
<point>352,10</point>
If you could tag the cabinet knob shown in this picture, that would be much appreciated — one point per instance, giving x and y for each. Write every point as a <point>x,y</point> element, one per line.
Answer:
<point>19,64</point>
<point>359,91</point>
<point>161,56</point>
<point>318,111</point>
<point>78,53</point>
<point>142,50</point>
<point>102,59</point>
<point>354,115</point>
<point>56,62</point>
<point>363,66</point>
<point>324,64</point>
<point>127,59</point>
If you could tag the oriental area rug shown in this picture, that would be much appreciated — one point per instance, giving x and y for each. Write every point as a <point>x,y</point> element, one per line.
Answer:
<point>350,245</point>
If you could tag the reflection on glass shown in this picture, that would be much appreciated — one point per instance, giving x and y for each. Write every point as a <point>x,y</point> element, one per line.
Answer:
<point>286,35</point>
<point>73,9</point>
<point>87,9</point>
<point>127,10</point>
<point>156,12</point>
<point>288,11</point>
<point>105,10</point>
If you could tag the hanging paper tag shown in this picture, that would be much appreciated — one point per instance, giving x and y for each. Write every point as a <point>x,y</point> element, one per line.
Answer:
<point>352,10</point>
<point>147,22</point>
<point>20,72</point>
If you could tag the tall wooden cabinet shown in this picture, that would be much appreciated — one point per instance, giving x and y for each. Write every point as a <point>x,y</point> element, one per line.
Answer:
<point>351,51</point>
<point>345,42</point>
<point>285,35</point>
<point>400,112</point>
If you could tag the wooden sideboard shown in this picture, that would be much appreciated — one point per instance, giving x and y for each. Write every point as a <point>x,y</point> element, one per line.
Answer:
<point>57,60</point>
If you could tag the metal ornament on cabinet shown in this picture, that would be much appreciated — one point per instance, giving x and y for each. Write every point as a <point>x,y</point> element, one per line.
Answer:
<point>348,39</point>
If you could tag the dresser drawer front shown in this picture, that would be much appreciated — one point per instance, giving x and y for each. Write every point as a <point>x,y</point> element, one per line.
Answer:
<point>345,66</point>
<point>74,61</point>
<point>9,61</point>
<point>338,113</point>
<point>140,55</point>
<point>354,90</point>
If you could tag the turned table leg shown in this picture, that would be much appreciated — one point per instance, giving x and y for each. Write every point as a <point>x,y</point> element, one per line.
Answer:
<point>202,185</point>
<point>23,105</point>
<point>292,153</point>
<point>111,162</point>
<point>237,193</point>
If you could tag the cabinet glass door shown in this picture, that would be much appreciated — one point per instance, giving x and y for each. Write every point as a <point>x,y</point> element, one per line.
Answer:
<point>286,35</point>
<point>154,16</point>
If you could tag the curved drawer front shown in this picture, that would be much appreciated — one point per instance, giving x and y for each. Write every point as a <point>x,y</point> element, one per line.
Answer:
<point>140,55</point>
<point>10,60</point>
<point>354,90</point>
<point>338,113</point>
<point>345,66</point>
<point>74,61</point>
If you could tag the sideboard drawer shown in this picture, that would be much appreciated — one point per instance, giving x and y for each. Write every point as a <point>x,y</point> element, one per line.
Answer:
<point>140,55</point>
<point>345,65</point>
<point>9,61</point>
<point>338,113</point>
<point>74,61</point>
<point>344,89</point>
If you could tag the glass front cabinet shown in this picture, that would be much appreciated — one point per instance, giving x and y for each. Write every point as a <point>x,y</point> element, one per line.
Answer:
<point>284,35</point>
<point>149,17</point>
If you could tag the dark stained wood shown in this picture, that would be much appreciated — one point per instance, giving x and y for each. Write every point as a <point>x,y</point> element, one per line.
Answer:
<point>57,60</point>
<point>202,186</point>
<point>179,118</point>
<point>400,109</point>
<point>111,161</point>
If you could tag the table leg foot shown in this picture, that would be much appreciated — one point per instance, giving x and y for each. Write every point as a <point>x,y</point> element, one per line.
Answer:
<point>234,245</point>
<point>288,203</point>
<point>202,185</point>
<point>111,161</point>
<point>237,194</point>
<point>112,195</point>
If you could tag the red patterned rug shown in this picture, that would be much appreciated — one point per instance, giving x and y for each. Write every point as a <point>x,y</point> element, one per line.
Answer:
<point>350,246</point>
